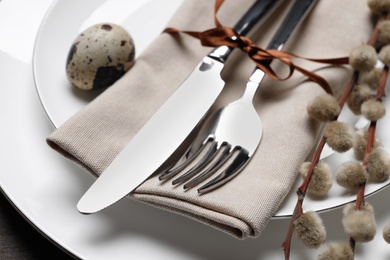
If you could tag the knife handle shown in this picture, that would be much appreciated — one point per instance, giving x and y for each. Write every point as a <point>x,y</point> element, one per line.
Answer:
<point>254,14</point>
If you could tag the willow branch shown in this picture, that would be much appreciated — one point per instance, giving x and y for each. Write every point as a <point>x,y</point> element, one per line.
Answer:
<point>370,146</point>
<point>301,192</point>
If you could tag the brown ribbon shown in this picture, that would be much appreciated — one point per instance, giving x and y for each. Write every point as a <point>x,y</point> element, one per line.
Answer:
<point>226,36</point>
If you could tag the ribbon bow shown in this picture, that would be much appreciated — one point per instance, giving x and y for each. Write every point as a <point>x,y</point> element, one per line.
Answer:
<point>226,36</point>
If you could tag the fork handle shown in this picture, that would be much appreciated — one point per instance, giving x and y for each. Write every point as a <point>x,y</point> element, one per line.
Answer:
<point>292,20</point>
<point>256,13</point>
<point>295,16</point>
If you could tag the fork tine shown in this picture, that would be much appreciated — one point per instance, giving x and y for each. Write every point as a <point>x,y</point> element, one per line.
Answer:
<point>188,157</point>
<point>232,170</point>
<point>206,159</point>
<point>224,156</point>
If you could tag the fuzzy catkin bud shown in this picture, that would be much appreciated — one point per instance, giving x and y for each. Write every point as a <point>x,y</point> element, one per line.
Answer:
<point>363,58</point>
<point>324,108</point>
<point>379,6</point>
<point>386,231</point>
<point>373,109</point>
<point>358,95</point>
<point>321,180</point>
<point>378,165</point>
<point>384,32</point>
<point>351,175</point>
<point>335,251</point>
<point>350,208</point>
<point>371,78</point>
<point>360,144</point>
<point>310,229</point>
<point>339,136</point>
<point>384,55</point>
<point>359,224</point>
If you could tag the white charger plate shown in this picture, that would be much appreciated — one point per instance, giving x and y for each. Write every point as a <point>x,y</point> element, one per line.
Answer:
<point>45,187</point>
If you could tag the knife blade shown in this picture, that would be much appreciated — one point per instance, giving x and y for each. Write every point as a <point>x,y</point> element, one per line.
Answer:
<point>147,150</point>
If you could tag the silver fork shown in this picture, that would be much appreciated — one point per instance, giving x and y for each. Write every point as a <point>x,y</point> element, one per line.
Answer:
<point>234,132</point>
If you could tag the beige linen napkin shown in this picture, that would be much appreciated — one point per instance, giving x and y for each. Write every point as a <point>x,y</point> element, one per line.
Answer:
<point>95,135</point>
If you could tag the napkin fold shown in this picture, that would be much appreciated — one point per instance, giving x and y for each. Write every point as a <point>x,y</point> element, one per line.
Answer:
<point>242,207</point>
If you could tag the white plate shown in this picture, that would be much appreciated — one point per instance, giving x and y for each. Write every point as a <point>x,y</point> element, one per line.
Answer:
<point>144,20</point>
<point>61,101</point>
<point>45,187</point>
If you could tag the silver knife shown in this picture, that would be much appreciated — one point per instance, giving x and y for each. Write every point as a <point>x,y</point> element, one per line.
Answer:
<point>164,133</point>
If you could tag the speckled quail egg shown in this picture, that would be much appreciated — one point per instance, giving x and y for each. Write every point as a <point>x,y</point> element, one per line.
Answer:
<point>99,56</point>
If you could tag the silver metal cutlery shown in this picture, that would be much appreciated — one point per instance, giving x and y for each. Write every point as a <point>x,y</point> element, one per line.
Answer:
<point>234,132</point>
<point>169,126</point>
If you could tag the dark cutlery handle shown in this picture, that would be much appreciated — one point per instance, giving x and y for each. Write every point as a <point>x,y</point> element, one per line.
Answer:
<point>296,15</point>
<point>254,14</point>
